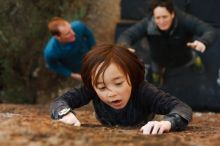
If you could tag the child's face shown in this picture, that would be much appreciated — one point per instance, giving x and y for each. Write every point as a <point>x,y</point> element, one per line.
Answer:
<point>114,90</point>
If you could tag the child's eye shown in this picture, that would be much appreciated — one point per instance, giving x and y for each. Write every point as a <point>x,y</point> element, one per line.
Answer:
<point>101,88</point>
<point>119,84</point>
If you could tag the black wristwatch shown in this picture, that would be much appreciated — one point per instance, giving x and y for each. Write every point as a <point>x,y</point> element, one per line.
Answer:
<point>64,112</point>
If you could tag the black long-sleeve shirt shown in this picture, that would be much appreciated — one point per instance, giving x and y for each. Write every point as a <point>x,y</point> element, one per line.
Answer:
<point>144,103</point>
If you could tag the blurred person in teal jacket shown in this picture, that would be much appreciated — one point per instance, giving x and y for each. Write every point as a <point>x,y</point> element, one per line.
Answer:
<point>69,43</point>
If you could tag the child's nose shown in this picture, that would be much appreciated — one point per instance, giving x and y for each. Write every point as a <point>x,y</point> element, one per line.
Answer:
<point>110,93</point>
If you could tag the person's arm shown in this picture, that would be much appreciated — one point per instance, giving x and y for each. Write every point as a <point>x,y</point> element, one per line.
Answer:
<point>177,114</point>
<point>204,33</point>
<point>178,123</point>
<point>171,122</point>
<point>62,107</point>
<point>133,34</point>
<point>54,65</point>
<point>52,62</point>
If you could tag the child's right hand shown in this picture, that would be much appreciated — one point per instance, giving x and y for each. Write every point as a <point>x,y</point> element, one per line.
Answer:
<point>70,118</point>
<point>156,127</point>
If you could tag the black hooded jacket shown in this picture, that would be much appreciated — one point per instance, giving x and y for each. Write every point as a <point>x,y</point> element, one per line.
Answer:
<point>168,49</point>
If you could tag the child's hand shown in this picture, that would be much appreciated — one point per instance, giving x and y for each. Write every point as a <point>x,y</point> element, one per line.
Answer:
<point>156,127</point>
<point>70,118</point>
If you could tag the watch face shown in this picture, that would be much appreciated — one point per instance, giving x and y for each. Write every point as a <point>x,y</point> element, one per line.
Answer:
<point>63,111</point>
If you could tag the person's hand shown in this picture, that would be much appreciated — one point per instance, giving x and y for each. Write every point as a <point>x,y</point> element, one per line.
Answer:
<point>156,127</point>
<point>71,119</point>
<point>76,76</point>
<point>131,50</point>
<point>197,45</point>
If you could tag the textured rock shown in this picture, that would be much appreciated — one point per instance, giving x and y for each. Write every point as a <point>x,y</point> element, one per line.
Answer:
<point>31,126</point>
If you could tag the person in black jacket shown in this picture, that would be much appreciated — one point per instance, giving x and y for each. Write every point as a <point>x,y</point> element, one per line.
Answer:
<point>113,80</point>
<point>172,36</point>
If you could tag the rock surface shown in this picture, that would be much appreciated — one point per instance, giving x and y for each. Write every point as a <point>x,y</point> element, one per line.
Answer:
<point>30,125</point>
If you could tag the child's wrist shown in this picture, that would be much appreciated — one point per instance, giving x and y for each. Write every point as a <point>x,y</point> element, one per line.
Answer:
<point>64,112</point>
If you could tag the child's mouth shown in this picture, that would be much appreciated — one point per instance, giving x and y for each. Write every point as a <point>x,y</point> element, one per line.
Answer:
<point>117,103</point>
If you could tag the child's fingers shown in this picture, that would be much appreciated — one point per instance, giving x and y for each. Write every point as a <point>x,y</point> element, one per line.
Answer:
<point>156,128</point>
<point>146,129</point>
<point>162,130</point>
<point>77,123</point>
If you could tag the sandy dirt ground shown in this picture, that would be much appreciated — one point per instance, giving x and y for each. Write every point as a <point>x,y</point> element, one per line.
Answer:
<point>30,125</point>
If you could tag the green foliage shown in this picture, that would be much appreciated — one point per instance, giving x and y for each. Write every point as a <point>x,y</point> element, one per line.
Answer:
<point>80,14</point>
<point>23,35</point>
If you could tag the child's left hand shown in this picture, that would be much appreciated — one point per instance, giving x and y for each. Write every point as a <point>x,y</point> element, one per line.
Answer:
<point>156,127</point>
